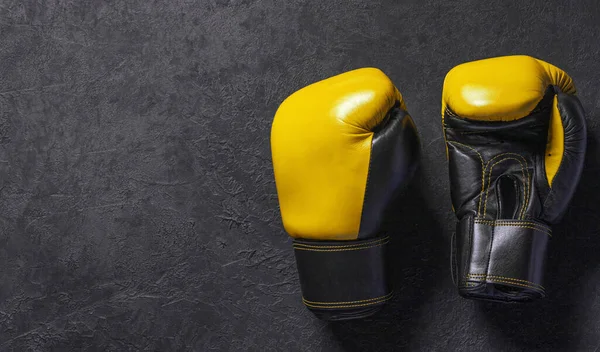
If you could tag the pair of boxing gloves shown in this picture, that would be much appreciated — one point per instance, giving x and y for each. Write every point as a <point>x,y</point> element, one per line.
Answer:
<point>342,148</point>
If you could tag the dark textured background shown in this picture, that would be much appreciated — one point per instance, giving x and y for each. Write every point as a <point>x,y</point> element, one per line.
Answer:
<point>137,204</point>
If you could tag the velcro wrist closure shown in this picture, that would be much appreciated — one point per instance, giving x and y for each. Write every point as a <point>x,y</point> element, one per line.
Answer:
<point>343,279</point>
<point>501,260</point>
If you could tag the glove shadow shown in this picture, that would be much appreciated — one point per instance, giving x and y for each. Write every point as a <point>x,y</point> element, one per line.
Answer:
<point>554,323</point>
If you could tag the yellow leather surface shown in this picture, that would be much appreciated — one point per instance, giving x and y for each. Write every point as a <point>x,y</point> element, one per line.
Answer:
<point>500,89</point>
<point>320,143</point>
<point>556,143</point>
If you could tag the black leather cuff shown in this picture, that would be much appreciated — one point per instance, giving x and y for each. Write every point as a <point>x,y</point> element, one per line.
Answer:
<point>343,279</point>
<point>501,260</point>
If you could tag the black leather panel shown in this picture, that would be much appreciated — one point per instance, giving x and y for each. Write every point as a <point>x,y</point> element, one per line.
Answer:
<point>462,254</point>
<point>395,152</point>
<point>343,279</point>
<point>502,260</point>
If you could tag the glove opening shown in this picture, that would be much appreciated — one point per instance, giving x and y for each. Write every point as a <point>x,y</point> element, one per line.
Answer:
<point>508,196</point>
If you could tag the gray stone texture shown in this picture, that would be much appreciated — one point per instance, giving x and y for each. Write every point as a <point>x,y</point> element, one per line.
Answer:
<point>138,209</point>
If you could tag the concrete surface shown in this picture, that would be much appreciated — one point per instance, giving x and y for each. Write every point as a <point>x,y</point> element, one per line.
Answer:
<point>137,204</point>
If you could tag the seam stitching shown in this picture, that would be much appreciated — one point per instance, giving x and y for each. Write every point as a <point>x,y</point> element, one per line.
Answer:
<point>334,305</point>
<point>340,250</point>
<point>483,276</point>
<point>350,302</point>
<point>542,230</point>
<point>356,245</point>
<point>501,222</point>
<point>514,283</point>
<point>472,284</point>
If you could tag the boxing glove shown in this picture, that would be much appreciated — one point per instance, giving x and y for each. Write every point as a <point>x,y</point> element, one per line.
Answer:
<point>516,138</point>
<point>341,149</point>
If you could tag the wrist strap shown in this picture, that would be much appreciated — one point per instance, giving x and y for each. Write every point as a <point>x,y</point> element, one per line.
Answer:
<point>501,260</point>
<point>343,279</point>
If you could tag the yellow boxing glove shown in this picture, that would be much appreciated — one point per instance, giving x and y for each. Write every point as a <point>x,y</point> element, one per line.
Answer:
<point>341,149</point>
